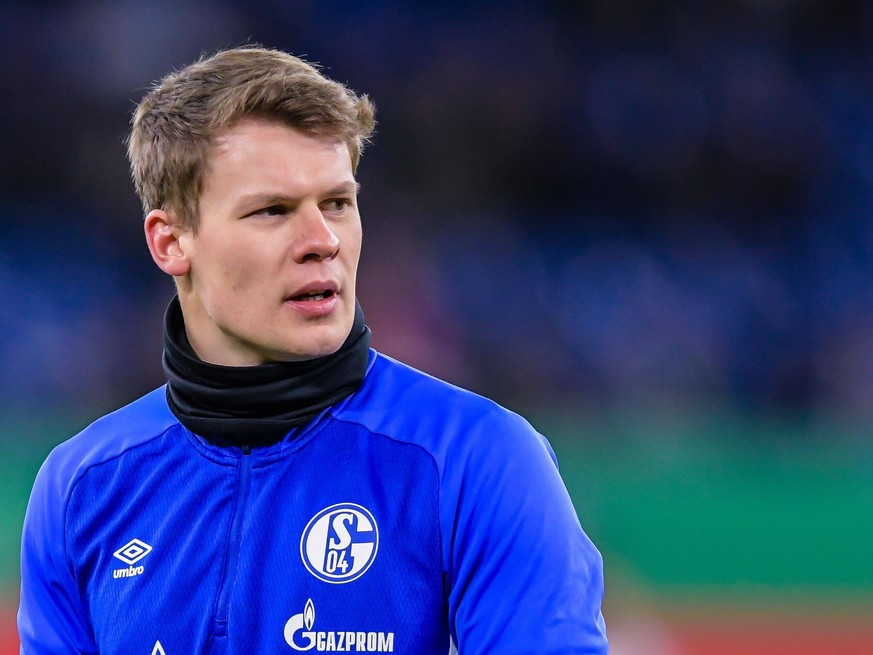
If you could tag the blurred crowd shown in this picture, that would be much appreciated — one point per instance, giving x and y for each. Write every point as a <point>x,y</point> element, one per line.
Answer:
<point>567,204</point>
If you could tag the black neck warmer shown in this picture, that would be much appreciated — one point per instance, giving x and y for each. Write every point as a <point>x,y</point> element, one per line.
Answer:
<point>257,405</point>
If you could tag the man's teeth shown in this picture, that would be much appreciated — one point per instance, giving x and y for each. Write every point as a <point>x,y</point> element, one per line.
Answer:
<point>314,295</point>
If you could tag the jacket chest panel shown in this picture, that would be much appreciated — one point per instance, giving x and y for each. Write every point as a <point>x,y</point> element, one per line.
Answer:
<point>312,552</point>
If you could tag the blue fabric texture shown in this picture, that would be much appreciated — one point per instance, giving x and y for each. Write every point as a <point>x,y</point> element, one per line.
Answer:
<point>413,517</point>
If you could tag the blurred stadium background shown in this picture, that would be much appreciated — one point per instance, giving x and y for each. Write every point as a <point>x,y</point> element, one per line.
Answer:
<point>646,225</point>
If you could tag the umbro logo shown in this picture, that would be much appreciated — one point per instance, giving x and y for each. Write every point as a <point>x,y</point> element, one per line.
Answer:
<point>131,553</point>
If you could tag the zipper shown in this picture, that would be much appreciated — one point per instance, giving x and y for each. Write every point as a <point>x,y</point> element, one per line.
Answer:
<point>231,560</point>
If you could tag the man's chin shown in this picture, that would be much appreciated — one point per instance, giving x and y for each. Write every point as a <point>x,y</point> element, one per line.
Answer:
<point>304,351</point>
<point>302,341</point>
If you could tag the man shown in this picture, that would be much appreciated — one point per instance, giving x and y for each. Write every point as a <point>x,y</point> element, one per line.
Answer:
<point>290,489</point>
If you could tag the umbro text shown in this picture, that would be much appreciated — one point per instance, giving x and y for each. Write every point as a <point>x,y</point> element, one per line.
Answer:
<point>129,572</point>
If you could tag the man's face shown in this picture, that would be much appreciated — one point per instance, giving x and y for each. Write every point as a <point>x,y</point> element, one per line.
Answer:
<point>274,259</point>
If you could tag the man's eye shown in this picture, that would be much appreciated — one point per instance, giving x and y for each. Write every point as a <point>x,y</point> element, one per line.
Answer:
<point>272,210</point>
<point>337,204</point>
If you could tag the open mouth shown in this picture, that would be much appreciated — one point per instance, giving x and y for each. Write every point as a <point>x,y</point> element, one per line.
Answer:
<point>313,295</point>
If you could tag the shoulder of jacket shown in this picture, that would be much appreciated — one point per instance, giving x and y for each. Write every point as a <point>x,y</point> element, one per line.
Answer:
<point>409,405</point>
<point>108,437</point>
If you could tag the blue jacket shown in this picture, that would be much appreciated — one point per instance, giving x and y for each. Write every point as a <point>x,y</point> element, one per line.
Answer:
<point>412,517</point>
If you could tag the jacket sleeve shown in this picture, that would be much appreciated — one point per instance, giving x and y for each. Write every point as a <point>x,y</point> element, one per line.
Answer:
<point>51,616</point>
<point>524,578</point>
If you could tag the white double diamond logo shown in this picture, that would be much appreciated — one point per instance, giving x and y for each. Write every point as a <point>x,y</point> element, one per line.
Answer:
<point>132,552</point>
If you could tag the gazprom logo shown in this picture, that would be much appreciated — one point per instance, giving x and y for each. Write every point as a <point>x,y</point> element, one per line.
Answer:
<point>340,543</point>
<point>301,624</point>
<point>299,633</point>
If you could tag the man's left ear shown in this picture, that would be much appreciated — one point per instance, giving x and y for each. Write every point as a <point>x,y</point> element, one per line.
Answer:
<point>162,232</point>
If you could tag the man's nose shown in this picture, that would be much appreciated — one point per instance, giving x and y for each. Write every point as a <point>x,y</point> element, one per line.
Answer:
<point>314,237</point>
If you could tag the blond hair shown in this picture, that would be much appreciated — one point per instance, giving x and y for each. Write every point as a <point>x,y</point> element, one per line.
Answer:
<point>174,125</point>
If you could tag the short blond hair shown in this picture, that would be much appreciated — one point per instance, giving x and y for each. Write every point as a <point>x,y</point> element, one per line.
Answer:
<point>174,125</point>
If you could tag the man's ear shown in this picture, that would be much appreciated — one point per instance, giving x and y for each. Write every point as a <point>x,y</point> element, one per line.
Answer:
<point>162,232</point>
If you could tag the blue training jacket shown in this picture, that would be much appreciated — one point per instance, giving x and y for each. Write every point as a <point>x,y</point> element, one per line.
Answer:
<point>412,517</point>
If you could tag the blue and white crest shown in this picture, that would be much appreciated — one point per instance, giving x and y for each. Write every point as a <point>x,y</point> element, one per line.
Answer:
<point>340,543</point>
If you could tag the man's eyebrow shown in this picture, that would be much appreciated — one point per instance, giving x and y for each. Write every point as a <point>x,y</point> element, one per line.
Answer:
<point>347,187</point>
<point>266,199</point>
<point>262,200</point>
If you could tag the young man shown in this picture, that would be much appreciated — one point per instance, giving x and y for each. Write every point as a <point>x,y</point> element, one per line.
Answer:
<point>291,489</point>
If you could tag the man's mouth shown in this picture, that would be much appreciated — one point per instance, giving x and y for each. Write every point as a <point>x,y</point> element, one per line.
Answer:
<point>313,295</point>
